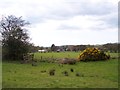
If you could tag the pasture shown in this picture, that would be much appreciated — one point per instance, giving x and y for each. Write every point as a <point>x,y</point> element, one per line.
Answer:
<point>99,74</point>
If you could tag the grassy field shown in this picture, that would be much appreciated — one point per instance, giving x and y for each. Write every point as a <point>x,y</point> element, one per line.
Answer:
<point>99,74</point>
<point>64,54</point>
<point>57,55</point>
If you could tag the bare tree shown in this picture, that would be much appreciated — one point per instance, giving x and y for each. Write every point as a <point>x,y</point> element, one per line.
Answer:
<point>15,39</point>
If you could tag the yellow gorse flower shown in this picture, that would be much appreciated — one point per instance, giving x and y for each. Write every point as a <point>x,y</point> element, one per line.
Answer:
<point>92,54</point>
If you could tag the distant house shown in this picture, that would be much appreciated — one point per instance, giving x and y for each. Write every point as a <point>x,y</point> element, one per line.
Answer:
<point>42,51</point>
<point>74,48</point>
<point>70,48</point>
<point>59,48</point>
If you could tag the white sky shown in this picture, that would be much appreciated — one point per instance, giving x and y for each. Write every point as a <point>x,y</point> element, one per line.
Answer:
<point>67,22</point>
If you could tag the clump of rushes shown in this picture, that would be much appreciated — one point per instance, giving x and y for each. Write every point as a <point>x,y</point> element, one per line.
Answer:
<point>92,54</point>
<point>52,72</point>
<point>65,73</point>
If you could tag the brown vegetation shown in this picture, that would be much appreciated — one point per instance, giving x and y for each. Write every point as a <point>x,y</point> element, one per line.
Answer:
<point>67,61</point>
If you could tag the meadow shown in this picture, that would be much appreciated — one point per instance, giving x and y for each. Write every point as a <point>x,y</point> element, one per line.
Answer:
<point>98,74</point>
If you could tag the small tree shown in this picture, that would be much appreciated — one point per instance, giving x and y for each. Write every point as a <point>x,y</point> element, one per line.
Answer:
<point>53,47</point>
<point>14,37</point>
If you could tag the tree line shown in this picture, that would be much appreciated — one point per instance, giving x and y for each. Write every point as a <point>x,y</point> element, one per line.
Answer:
<point>109,47</point>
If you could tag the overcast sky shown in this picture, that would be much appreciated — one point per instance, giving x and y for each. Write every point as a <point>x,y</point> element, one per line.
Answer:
<point>66,22</point>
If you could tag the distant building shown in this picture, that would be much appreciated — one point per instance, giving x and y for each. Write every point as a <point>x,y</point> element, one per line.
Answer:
<point>58,48</point>
<point>42,51</point>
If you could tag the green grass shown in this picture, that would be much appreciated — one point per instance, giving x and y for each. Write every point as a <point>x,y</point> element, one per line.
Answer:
<point>57,55</point>
<point>64,54</point>
<point>99,74</point>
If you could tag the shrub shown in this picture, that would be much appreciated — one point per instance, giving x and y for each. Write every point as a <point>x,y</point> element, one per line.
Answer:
<point>92,54</point>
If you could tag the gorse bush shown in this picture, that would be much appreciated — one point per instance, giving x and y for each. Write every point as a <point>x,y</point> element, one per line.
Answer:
<point>92,54</point>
